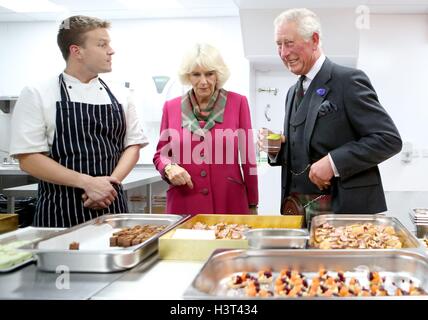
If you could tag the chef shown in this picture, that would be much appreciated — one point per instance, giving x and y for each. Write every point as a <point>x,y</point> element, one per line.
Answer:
<point>75,134</point>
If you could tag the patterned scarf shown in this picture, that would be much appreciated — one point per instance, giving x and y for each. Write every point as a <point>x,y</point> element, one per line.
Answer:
<point>191,113</point>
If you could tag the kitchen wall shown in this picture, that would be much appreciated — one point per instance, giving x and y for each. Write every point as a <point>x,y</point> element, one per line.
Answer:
<point>144,48</point>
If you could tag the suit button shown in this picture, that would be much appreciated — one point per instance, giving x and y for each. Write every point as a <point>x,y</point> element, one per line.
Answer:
<point>294,129</point>
<point>203,173</point>
<point>294,158</point>
<point>293,144</point>
<point>202,138</point>
<point>204,191</point>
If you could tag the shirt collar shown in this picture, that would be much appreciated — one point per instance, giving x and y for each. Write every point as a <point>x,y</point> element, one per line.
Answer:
<point>69,78</point>
<point>316,67</point>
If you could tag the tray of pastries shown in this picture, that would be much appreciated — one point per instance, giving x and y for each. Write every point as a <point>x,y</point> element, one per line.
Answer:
<point>311,274</point>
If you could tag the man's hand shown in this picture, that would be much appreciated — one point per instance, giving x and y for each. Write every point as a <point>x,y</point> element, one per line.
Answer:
<point>266,144</point>
<point>321,173</point>
<point>179,176</point>
<point>100,190</point>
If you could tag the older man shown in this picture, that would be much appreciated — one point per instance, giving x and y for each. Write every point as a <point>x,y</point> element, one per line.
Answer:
<point>335,130</point>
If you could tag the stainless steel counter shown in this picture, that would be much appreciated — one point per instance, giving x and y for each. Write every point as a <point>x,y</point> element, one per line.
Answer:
<point>151,279</point>
<point>30,283</point>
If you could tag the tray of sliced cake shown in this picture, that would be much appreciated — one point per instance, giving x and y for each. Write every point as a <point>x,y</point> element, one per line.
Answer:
<point>108,243</point>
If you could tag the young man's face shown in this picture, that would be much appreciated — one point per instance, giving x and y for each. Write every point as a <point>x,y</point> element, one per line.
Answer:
<point>96,53</point>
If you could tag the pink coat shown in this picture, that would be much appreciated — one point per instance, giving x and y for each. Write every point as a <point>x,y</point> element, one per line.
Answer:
<point>219,186</point>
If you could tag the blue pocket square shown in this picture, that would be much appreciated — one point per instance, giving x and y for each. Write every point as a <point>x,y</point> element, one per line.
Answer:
<point>326,107</point>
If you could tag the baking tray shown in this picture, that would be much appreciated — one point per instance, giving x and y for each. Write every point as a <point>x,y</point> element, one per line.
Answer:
<point>401,267</point>
<point>95,253</point>
<point>18,238</point>
<point>185,249</point>
<point>270,238</point>
<point>8,222</point>
<point>407,239</point>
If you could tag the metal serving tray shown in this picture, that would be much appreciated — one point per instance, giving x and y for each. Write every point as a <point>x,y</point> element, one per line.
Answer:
<point>401,267</point>
<point>95,254</point>
<point>407,238</point>
<point>270,238</point>
<point>25,236</point>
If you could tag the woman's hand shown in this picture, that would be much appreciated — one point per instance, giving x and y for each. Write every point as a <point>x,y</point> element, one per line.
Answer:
<point>178,176</point>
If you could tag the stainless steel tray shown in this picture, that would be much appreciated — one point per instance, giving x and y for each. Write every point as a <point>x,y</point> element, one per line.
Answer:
<point>398,266</point>
<point>270,238</point>
<point>94,254</point>
<point>407,238</point>
<point>25,236</point>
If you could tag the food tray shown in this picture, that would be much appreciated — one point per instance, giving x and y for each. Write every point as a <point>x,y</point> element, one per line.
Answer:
<point>407,239</point>
<point>185,249</point>
<point>95,253</point>
<point>399,267</point>
<point>277,238</point>
<point>16,258</point>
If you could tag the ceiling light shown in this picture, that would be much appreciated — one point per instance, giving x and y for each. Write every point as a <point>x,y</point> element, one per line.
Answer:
<point>164,4</point>
<point>31,6</point>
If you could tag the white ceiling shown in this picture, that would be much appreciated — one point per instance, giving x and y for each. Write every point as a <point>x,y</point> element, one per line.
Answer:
<point>115,9</point>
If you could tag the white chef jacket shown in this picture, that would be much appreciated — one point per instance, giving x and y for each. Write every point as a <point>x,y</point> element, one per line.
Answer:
<point>33,119</point>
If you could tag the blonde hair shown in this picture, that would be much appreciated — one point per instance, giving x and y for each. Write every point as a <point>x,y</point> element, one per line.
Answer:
<point>307,22</point>
<point>72,31</point>
<point>207,57</point>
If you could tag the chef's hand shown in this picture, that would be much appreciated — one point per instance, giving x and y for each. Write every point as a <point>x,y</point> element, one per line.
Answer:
<point>179,176</point>
<point>88,203</point>
<point>321,173</point>
<point>100,189</point>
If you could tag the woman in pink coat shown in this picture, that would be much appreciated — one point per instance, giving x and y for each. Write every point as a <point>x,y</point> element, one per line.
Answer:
<point>206,150</point>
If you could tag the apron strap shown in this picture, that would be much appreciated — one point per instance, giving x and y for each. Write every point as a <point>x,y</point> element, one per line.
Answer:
<point>63,88</point>
<point>113,99</point>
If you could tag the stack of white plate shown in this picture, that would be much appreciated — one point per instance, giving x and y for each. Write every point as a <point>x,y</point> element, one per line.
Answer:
<point>419,217</point>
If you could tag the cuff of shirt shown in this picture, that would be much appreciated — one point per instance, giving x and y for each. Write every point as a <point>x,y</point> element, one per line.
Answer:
<point>336,173</point>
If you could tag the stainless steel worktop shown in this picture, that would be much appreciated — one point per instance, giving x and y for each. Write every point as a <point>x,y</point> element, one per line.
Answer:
<point>150,279</point>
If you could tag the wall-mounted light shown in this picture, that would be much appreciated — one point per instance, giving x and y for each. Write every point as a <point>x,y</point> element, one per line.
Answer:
<point>160,82</point>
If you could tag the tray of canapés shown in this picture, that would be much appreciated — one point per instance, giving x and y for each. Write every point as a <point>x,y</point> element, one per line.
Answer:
<point>343,231</point>
<point>277,274</point>
<point>212,231</point>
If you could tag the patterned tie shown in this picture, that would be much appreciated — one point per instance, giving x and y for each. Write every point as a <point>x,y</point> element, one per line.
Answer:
<point>299,92</point>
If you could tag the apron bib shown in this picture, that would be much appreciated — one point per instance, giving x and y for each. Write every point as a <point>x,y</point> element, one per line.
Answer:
<point>89,138</point>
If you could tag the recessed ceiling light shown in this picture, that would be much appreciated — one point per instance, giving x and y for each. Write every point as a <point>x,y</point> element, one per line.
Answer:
<point>31,6</point>
<point>164,4</point>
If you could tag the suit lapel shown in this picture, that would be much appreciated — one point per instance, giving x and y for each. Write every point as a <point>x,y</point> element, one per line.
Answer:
<point>289,104</point>
<point>318,86</point>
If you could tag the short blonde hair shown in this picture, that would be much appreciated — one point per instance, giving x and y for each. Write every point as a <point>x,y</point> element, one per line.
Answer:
<point>72,31</point>
<point>205,56</point>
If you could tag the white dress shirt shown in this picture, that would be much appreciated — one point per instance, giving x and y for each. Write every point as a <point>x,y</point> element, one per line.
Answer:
<point>33,119</point>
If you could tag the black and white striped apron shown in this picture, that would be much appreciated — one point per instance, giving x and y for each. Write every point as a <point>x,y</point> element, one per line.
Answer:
<point>89,138</point>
